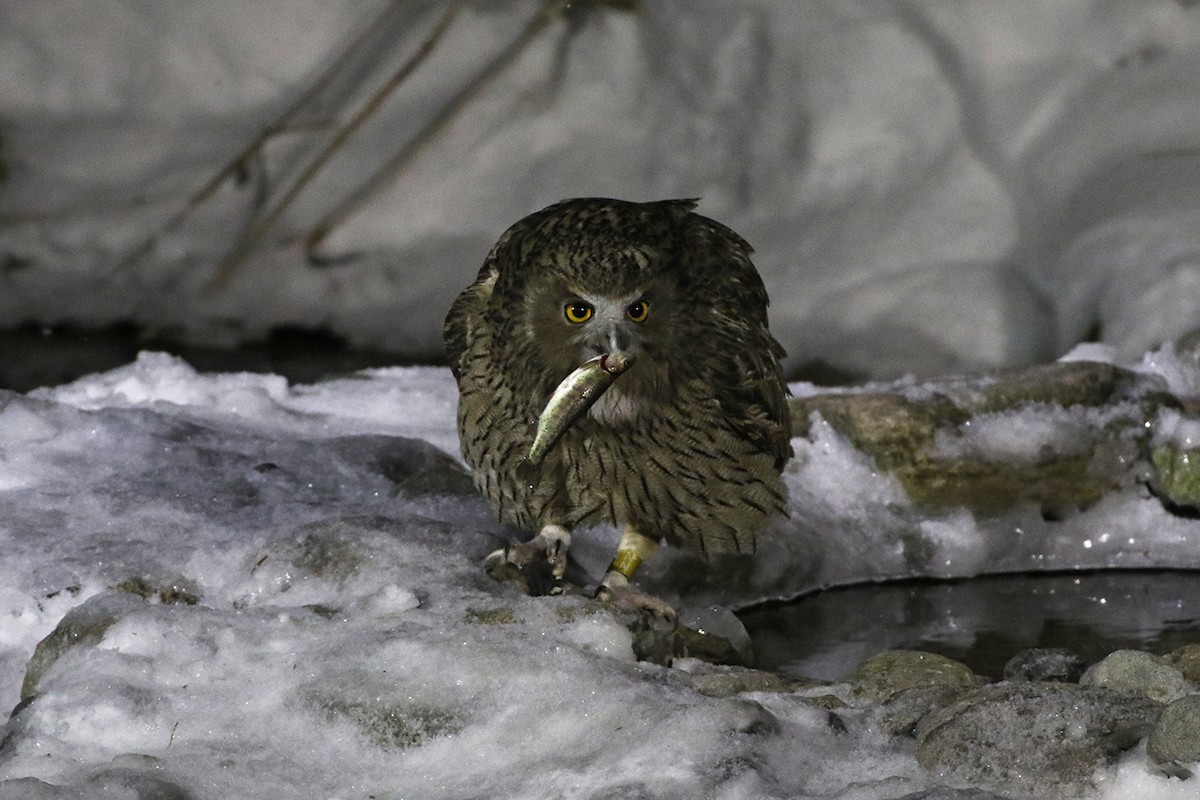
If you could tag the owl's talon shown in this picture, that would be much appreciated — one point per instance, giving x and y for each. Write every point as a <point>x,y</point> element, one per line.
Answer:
<point>537,566</point>
<point>617,590</point>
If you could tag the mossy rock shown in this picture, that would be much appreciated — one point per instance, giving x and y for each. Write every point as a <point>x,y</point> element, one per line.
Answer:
<point>900,432</point>
<point>887,674</point>
<point>1177,475</point>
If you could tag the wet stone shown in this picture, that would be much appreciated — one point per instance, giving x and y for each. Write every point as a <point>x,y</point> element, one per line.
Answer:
<point>1053,664</point>
<point>1187,660</point>
<point>715,634</point>
<point>885,675</point>
<point>909,685</point>
<point>726,681</point>
<point>1135,672</point>
<point>1033,739</point>
<point>1175,740</point>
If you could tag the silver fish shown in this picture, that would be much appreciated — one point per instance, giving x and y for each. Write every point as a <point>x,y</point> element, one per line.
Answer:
<point>573,397</point>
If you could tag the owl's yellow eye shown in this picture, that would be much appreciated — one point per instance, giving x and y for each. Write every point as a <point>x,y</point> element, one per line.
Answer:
<point>577,312</point>
<point>638,311</point>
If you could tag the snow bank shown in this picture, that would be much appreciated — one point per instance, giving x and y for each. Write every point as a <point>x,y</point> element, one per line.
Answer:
<point>263,590</point>
<point>929,187</point>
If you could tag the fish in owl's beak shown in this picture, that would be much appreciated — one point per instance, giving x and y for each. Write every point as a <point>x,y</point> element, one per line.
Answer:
<point>573,397</point>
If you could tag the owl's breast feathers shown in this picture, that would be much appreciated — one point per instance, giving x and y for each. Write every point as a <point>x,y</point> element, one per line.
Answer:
<point>696,461</point>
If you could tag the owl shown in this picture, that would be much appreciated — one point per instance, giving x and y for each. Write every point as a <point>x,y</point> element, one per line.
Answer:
<point>686,447</point>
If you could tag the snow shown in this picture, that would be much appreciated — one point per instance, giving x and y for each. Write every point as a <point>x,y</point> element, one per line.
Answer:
<point>344,641</point>
<point>929,187</point>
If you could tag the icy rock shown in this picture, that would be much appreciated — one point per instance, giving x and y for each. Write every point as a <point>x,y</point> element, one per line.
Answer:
<point>123,781</point>
<point>391,725</point>
<point>1032,739</point>
<point>947,793</point>
<point>1175,740</point>
<point>83,625</point>
<point>168,592</point>
<point>1135,672</point>
<point>1053,664</point>
<point>913,434</point>
<point>1187,660</point>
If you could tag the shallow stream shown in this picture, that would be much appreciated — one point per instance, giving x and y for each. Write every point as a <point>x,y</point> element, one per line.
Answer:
<point>980,621</point>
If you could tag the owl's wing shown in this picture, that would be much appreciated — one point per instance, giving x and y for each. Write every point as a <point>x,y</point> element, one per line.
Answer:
<point>466,318</point>
<point>752,392</point>
<point>744,364</point>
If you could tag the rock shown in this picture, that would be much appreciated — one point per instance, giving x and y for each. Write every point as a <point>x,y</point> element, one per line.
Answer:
<point>1032,739</point>
<point>1135,672</point>
<point>946,793</point>
<point>909,685</point>
<point>902,433</point>
<point>1187,660</point>
<point>1045,664</point>
<point>83,625</point>
<point>1176,475</point>
<point>415,467</point>
<point>747,716</point>
<point>167,592</point>
<point>655,638</point>
<point>715,634</point>
<point>126,782</point>
<point>1175,740</point>
<point>885,675</point>
<point>727,681</point>
<point>389,723</point>
<point>500,615</point>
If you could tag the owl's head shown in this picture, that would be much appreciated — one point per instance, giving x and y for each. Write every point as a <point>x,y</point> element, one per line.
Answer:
<point>594,276</point>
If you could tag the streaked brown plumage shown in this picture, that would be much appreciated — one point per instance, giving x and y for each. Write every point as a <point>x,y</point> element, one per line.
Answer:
<point>688,445</point>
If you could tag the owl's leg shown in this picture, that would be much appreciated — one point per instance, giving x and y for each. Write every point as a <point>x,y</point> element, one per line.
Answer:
<point>634,548</point>
<point>546,551</point>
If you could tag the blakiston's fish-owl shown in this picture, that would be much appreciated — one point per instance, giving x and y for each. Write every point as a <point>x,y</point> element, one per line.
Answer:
<point>687,446</point>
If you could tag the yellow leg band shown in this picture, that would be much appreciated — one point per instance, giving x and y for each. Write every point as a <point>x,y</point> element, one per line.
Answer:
<point>631,552</point>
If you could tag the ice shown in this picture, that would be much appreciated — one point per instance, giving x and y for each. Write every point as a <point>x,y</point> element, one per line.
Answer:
<point>256,597</point>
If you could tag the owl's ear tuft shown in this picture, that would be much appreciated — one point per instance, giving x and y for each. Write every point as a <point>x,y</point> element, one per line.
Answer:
<point>681,207</point>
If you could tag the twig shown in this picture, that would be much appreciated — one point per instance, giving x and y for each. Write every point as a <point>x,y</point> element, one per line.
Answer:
<point>239,162</point>
<point>390,171</point>
<point>256,232</point>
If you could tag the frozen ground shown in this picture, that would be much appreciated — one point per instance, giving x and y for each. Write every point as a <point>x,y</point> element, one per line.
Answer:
<point>930,185</point>
<point>317,625</point>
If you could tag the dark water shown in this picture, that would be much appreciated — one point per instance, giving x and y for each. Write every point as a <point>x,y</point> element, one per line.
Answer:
<point>982,621</point>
